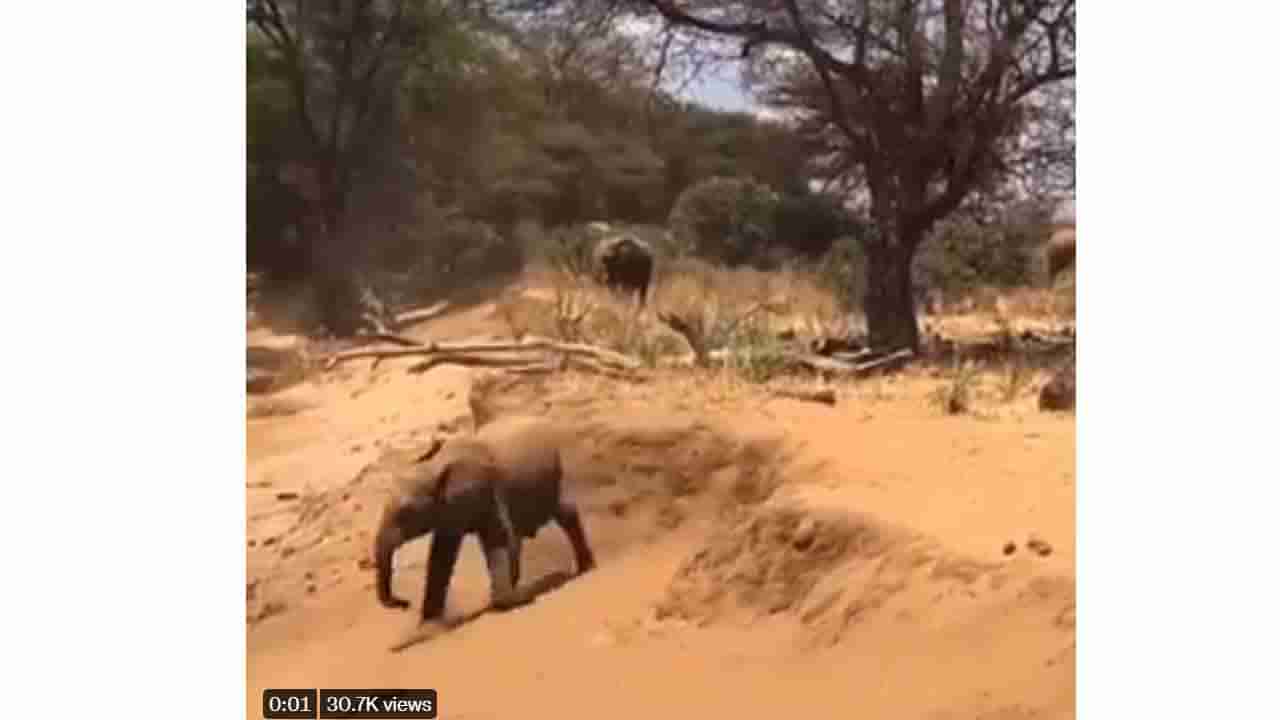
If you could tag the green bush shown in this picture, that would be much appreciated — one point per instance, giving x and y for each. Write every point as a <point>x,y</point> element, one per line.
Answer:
<point>808,225</point>
<point>456,253</point>
<point>843,270</point>
<point>568,249</point>
<point>722,219</point>
<point>470,250</point>
<point>961,256</point>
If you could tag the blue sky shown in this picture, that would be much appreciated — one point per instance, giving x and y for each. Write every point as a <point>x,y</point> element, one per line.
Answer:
<point>720,90</point>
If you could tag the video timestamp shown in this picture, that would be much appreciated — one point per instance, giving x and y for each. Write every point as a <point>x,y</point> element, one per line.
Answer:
<point>286,704</point>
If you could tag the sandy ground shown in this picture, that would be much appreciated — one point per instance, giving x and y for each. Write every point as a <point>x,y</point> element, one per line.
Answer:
<point>876,559</point>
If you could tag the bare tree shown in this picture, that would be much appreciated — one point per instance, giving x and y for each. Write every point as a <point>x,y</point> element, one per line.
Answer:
<point>919,105</point>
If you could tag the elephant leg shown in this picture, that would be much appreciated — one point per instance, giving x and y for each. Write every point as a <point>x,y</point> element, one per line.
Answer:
<point>570,521</point>
<point>516,546</point>
<point>503,560</point>
<point>444,555</point>
<point>501,544</point>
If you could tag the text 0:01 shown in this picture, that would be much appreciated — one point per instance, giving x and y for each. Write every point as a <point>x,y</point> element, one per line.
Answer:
<point>280,704</point>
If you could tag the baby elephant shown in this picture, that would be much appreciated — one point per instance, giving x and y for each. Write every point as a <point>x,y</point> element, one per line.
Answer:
<point>502,484</point>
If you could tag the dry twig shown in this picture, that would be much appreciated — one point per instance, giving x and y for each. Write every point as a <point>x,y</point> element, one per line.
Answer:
<point>826,396</point>
<point>415,316</point>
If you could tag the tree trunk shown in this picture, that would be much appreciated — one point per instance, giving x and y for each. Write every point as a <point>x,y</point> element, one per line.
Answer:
<point>889,303</point>
<point>336,294</point>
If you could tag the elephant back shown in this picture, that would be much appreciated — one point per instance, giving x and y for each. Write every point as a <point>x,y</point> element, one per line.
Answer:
<point>528,450</point>
<point>622,248</point>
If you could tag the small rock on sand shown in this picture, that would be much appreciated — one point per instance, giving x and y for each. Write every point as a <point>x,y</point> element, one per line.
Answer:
<point>1039,545</point>
<point>805,533</point>
<point>287,495</point>
<point>1010,547</point>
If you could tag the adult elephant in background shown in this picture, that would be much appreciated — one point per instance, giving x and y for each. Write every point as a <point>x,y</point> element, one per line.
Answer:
<point>625,263</point>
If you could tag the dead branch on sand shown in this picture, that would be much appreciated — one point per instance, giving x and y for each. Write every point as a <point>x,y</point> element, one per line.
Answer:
<point>833,366</point>
<point>392,338</point>
<point>825,396</point>
<point>417,315</point>
<point>512,356</point>
<point>464,360</point>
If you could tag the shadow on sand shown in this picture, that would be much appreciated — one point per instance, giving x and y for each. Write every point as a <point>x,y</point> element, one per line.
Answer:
<point>528,593</point>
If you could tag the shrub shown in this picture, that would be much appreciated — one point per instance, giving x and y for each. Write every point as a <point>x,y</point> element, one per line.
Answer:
<point>729,220</point>
<point>470,250</point>
<point>809,224</point>
<point>568,249</point>
<point>452,254</point>
<point>843,271</point>
<point>962,256</point>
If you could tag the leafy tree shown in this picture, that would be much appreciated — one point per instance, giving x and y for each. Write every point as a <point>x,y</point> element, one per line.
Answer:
<point>345,65</point>
<point>915,108</point>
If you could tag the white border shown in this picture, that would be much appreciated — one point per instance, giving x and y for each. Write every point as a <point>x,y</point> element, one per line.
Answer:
<point>124,211</point>
<point>124,214</point>
<point>1177,154</point>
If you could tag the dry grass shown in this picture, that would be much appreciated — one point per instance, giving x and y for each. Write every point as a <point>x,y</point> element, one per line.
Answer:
<point>754,314</point>
<point>956,395</point>
<point>749,312</point>
<point>742,309</point>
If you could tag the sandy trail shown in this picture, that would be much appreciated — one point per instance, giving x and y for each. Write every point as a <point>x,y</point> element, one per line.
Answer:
<point>902,604</point>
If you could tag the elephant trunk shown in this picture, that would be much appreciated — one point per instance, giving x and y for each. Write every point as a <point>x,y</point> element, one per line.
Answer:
<point>389,539</point>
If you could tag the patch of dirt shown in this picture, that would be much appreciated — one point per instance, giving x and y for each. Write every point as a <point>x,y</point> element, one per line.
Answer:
<point>769,562</point>
<point>846,560</point>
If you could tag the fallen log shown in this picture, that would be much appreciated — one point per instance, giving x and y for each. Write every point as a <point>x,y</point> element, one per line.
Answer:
<point>469,361</point>
<point>455,351</point>
<point>896,358</point>
<point>392,338</point>
<point>832,366</point>
<point>854,357</point>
